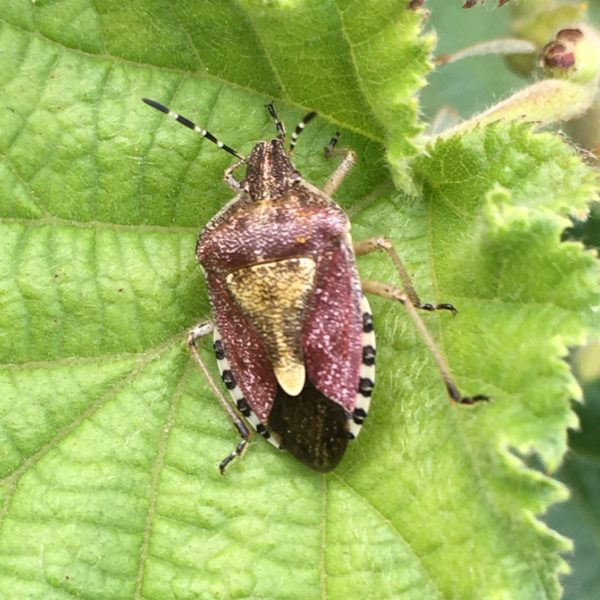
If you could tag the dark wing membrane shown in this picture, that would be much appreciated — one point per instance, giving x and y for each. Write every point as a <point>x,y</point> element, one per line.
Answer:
<point>310,426</point>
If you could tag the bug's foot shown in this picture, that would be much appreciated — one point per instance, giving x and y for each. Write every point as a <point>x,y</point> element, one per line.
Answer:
<point>431,307</point>
<point>239,450</point>
<point>474,399</point>
<point>457,397</point>
<point>330,148</point>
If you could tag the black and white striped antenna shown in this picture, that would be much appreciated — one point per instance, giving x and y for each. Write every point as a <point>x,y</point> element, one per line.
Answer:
<point>187,123</point>
<point>278,124</point>
<point>209,136</point>
<point>300,128</point>
<point>281,129</point>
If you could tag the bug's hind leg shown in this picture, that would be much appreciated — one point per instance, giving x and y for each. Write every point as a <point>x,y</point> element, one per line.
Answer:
<point>199,331</point>
<point>381,243</point>
<point>390,292</point>
<point>411,301</point>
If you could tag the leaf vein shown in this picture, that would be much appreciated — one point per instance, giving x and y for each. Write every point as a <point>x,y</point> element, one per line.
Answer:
<point>264,50</point>
<point>155,479</point>
<point>392,526</point>
<point>10,481</point>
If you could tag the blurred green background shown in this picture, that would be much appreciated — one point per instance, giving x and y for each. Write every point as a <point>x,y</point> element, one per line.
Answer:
<point>469,85</point>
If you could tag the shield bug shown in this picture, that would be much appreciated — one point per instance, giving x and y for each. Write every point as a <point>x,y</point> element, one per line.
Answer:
<point>293,332</point>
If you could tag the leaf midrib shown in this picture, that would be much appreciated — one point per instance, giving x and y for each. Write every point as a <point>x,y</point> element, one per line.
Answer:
<point>203,76</point>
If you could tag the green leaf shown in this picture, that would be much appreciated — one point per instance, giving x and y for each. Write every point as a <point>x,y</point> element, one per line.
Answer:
<point>110,439</point>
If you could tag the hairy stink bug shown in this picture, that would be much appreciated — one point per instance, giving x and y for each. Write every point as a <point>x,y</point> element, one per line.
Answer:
<point>293,333</point>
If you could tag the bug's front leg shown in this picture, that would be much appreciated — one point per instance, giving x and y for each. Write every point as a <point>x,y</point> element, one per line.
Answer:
<point>199,331</point>
<point>380,243</point>
<point>230,180</point>
<point>336,178</point>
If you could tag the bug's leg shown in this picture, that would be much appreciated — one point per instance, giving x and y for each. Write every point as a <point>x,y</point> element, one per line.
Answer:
<point>336,178</point>
<point>381,243</point>
<point>197,332</point>
<point>390,292</point>
<point>230,180</point>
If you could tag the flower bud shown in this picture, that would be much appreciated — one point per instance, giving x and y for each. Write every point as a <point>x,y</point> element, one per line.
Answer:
<point>573,54</point>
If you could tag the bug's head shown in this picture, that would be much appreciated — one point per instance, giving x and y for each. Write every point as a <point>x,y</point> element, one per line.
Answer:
<point>270,172</point>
